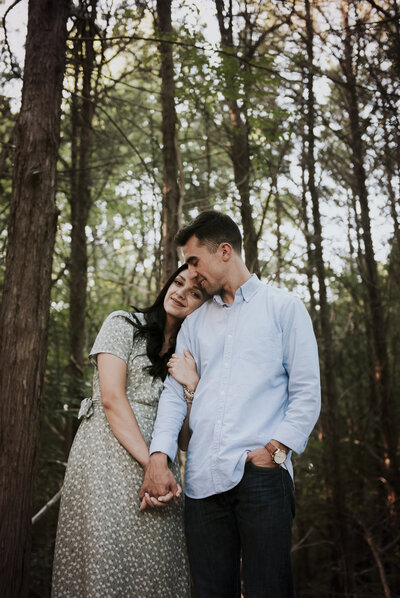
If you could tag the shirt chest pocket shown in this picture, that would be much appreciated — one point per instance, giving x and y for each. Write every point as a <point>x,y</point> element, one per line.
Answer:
<point>261,349</point>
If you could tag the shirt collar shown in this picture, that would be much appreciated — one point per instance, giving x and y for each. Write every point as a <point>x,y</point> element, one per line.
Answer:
<point>246,291</point>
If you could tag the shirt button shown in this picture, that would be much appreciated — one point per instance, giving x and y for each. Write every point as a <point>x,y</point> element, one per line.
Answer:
<point>218,421</point>
<point>222,392</point>
<point>226,364</point>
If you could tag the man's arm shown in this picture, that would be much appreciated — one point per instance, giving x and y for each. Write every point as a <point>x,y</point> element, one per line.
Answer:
<point>300,359</point>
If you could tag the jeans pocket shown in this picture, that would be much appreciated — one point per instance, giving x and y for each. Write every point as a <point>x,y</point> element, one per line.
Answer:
<point>268,470</point>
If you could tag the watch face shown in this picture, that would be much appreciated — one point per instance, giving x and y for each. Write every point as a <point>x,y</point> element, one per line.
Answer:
<point>279,456</point>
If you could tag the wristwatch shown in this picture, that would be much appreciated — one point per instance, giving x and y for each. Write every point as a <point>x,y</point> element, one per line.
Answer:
<point>278,455</point>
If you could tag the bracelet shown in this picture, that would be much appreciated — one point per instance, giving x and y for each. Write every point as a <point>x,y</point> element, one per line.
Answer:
<point>189,395</point>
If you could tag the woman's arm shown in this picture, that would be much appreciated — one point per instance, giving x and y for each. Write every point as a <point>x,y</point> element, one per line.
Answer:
<point>122,420</point>
<point>183,369</point>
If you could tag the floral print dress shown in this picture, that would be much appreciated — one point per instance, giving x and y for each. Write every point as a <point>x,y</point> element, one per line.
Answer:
<point>105,546</point>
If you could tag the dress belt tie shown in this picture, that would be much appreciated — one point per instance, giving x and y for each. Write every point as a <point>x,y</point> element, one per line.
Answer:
<point>86,408</point>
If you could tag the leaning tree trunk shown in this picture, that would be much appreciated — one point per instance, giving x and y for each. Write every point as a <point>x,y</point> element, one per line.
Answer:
<point>341,583</point>
<point>171,196</point>
<point>378,324</point>
<point>26,297</point>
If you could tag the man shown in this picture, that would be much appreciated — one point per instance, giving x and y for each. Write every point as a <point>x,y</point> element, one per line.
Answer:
<point>258,399</point>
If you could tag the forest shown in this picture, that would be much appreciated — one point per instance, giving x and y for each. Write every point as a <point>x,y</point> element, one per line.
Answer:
<point>127,118</point>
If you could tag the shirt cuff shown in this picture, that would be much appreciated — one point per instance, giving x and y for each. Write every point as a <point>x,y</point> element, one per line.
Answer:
<point>164,444</point>
<point>291,437</point>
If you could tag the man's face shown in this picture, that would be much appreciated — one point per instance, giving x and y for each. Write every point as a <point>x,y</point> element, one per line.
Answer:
<point>207,266</point>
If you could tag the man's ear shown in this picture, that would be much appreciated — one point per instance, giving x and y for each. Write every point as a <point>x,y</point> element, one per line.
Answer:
<point>226,251</point>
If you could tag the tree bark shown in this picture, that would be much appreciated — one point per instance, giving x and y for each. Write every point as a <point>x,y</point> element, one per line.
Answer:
<point>306,226</point>
<point>390,172</point>
<point>239,150</point>
<point>80,200</point>
<point>26,297</point>
<point>171,196</point>
<point>240,156</point>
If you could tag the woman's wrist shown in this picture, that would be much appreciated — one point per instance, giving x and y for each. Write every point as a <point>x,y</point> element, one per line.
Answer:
<point>191,385</point>
<point>188,394</point>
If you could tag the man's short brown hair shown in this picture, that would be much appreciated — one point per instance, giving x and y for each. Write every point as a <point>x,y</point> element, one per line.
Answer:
<point>211,228</point>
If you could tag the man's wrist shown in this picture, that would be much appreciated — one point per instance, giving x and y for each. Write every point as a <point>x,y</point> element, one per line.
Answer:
<point>159,458</point>
<point>278,451</point>
<point>279,445</point>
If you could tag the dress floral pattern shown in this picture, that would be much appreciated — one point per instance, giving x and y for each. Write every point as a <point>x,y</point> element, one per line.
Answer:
<point>105,546</point>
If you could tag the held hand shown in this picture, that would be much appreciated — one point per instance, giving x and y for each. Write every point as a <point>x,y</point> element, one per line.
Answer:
<point>158,481</point>
<point>183,369</point>
<point>150,501</point>
<point>261,457</point>
<point>161,501</point>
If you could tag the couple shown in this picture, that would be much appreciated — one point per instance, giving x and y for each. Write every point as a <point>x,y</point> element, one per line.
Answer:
<point>256,398</point>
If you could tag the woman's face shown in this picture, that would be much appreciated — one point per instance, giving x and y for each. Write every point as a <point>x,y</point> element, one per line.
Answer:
<point>183,296</point>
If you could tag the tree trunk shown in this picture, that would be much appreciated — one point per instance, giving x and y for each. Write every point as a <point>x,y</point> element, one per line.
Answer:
<point>239,151</point>
<point>390,173</point>
<point>7,146</point>
<point>334,477</point>
<point>82,112</point>
<point>26,297</point>
<point>171,197</point>
<point>378,325</point>
<point>240,155</point>
<point>278,238</point>
<point>309,268</point>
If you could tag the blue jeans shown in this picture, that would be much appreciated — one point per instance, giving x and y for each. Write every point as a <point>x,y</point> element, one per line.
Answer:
<point>253,519</point>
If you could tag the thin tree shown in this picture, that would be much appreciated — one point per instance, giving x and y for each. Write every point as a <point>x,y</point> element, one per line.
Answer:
<point>171,195</point>
<point>334,478</point>
<point>83,105</point>
<point>26,297</point>
<point>239,137</point>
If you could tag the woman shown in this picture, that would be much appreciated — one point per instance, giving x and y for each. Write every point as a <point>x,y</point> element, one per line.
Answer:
<point>106,546</point>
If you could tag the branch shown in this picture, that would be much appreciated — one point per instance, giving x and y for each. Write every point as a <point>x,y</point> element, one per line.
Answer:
<point>128,141</point>
<point>127,284</point>
<point>47,506</point>
<point>14,67</point>
<point>375,551</point>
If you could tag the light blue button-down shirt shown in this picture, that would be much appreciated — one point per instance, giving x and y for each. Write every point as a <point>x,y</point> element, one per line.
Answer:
<point>259,380</point>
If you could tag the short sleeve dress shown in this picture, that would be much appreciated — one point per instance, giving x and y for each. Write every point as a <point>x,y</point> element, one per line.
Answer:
<point>105,546</point>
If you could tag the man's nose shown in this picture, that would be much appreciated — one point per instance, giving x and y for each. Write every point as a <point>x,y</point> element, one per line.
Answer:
<point>192,271</point>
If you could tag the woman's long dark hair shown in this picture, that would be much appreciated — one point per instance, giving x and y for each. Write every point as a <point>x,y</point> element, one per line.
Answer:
<point>153,329</point>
